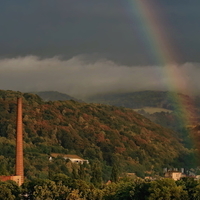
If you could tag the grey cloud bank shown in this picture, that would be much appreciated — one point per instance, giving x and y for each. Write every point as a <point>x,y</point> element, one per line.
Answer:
<point>80,78</point>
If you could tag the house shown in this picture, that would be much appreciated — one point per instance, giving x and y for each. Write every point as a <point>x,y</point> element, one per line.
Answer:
<point>130,175</point>
<point>175,175</point>
<point>197,177</point>
<point>72,158</point>
<point>17,179</point>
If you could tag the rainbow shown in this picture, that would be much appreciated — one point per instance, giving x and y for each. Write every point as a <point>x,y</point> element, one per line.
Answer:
<point>152,32</point>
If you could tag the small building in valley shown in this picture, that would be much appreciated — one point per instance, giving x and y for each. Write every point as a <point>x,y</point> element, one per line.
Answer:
<point>175,175</point>
<point>72,158</point>
<point>17,179</point>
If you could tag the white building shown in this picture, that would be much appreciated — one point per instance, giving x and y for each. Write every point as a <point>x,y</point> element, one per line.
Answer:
<point>72,158</point>
<point>176,175</point>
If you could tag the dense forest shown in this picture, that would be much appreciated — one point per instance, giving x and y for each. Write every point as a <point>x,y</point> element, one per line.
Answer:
<point>176,111</point>
<point>62,187</point>
<point>109,134</point>
<point>169,109</point>
<point>117,141</point>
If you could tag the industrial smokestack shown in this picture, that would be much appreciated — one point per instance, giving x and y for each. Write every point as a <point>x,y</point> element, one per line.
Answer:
<point>19,142</point>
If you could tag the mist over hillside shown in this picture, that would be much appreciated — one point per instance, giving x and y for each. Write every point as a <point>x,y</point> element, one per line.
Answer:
<point>81,78</point>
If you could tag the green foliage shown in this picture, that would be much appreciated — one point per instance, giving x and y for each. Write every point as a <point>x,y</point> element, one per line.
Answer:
<point>46,189</point>
<point>81,172</point>
<point>74,173</point>
<point>165,189</point>
<point>9,190</point>
<point>181,110</point>
<point>61,187</point>
<point>92,131</point>
<point>190,186</point>
<point>122,190</point>
<point>96,178</point>
<point>5,193</point>
<point>114,174</point>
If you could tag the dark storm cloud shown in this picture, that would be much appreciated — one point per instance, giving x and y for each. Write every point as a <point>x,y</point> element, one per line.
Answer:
<point>104,28</point>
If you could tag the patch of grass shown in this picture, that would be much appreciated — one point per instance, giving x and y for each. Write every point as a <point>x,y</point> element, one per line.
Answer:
<point>152,110</point>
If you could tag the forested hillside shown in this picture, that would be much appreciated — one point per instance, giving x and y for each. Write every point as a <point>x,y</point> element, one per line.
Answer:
<point>100,133</point>
<point>172,110</point>
<point>162,107</point>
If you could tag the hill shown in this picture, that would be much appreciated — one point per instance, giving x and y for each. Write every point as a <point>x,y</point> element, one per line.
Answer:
<point>54,96</point>
<point>141,99</point>
<point>109,134</point>
<point>168,109</point>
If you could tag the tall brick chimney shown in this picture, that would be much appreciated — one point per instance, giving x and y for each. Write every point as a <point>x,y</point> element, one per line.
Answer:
<point>19,168</point>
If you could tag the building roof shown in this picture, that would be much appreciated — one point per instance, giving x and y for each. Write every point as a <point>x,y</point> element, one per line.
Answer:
<point>70,156</point>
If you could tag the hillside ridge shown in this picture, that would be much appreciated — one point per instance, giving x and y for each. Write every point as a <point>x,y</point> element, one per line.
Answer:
<point>109,134</point>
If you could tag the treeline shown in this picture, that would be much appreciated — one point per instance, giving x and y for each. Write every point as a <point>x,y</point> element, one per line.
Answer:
<point>184,110</point>
<point>61,187</point>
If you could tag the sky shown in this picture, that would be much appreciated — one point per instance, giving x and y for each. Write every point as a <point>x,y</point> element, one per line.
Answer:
<point>82,47</point>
